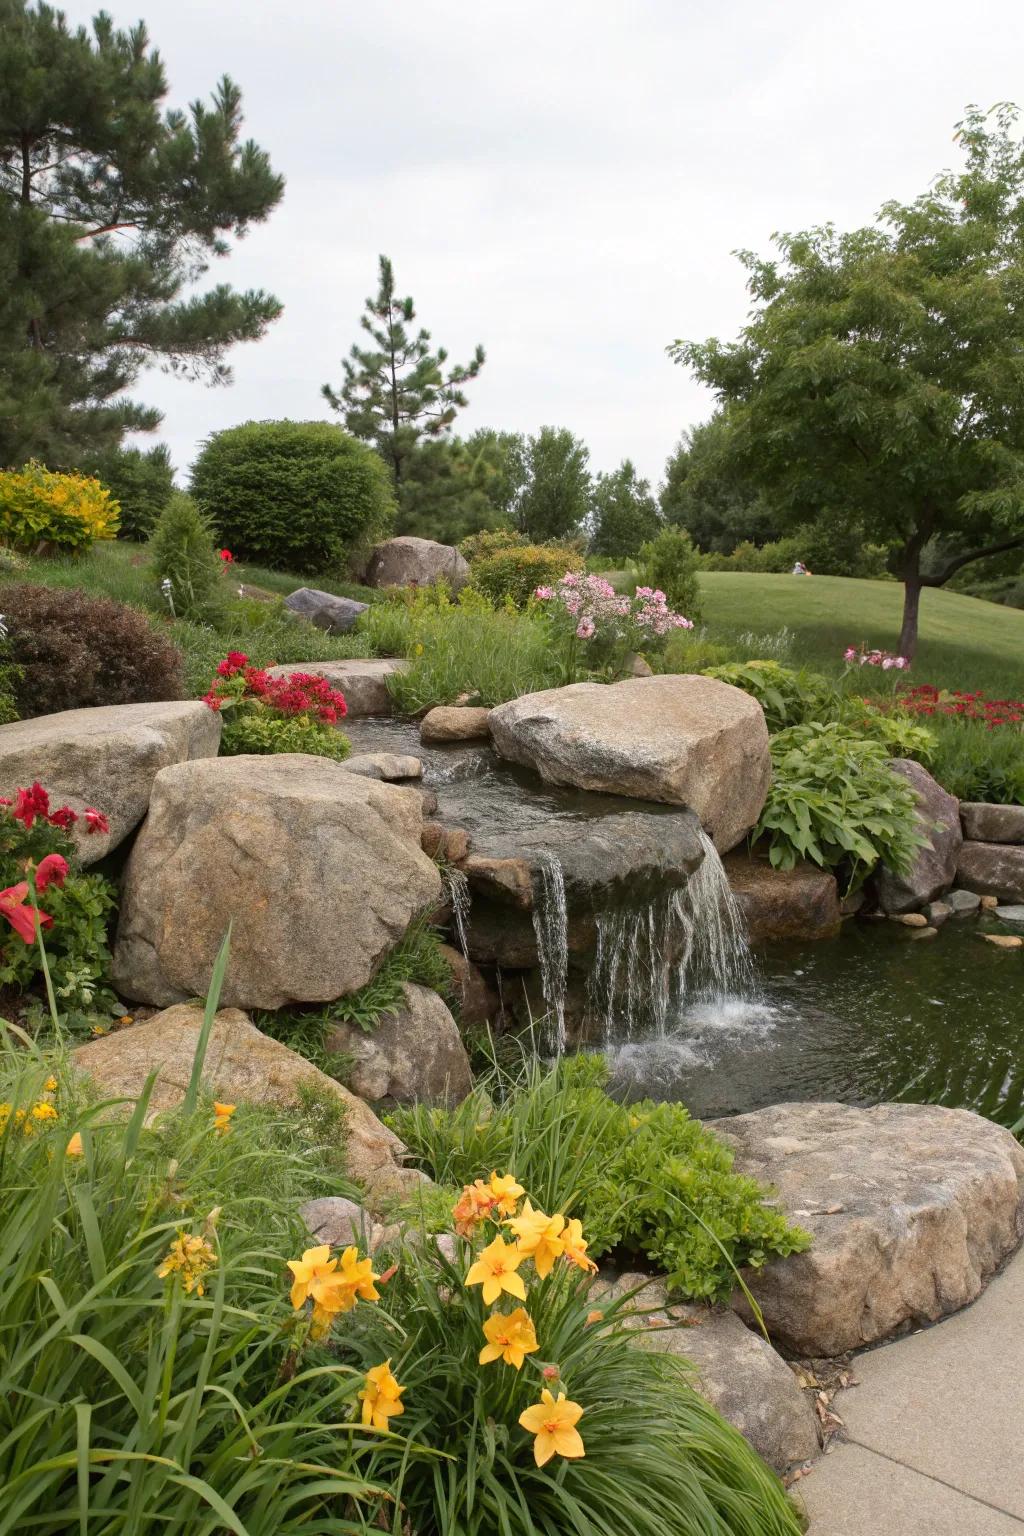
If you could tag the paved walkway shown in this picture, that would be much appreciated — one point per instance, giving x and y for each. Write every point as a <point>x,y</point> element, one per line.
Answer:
<point>935,1430</point>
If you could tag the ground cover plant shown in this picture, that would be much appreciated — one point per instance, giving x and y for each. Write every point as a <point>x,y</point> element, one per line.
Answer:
<point>645,1179</point>
<point>298,712</point>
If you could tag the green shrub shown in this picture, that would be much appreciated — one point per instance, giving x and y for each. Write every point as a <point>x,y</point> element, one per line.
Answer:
<point>263,731</point>
<point>80,908</point>
<point>644,1178</point>
<point>690,650</point>
<point>671,563</point>
<point>899,733</point>
<point>140,482</point>
<point>514,573</point>
<point>40,508</point>
<point>833,799</point>
<point>186,565</point>
<point>489,541</point>
<point>825,551</point>
<point>788,697</point>
<point>293,495</point>
<point>74,651</point>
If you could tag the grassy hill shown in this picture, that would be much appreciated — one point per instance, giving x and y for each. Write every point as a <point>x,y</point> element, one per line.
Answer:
<point>965,642</point>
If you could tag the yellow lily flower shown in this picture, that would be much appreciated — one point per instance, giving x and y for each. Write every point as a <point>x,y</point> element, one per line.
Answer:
<point>574,1246</point>
<point>74,1147</point>
<point>353,1278</point>
<point>495,1270</point>
<point>510,1338</point>
<point>553,1421</point>
<point>540,1237</point>
<point>380,1396</point>
<point>313,1275</point>
<point>222,1118</point>
<point>190,1257</point>
<point>474,1204</point>
<point>507,1193</point>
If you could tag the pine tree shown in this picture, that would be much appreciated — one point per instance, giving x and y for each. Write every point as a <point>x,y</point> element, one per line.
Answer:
<point>110,208</point>
<point>399,391</point>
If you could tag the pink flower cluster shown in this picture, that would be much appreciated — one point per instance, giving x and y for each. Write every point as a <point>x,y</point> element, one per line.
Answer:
<point>599,610</point>
<point>883,659</point>
<point>300,693</point>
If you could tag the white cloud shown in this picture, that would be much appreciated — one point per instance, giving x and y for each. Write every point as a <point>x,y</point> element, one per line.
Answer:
<point>563,180</point>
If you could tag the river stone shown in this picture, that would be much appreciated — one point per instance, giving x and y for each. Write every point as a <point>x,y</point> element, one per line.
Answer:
<point>476,1002</point>
<point>363,680</point>
<point>678,739</point>
<point>107,758</point>
<point>449,724</point>
<point>319,871</point>
<point>339,1223</point>
<point>911,1208</point>
<point>1014,914</point>
<point>1003,940</point>
<point>391,767</point>
<point>413,1055</point>
<point>408,562</point>
<point>242,1065</point>
<point>737,1370</point>
<point>934,866</point>
<point>798,903</point>
<point>992,823</point>
<point>962,903</point>
<point>993,869</point>
<point>336,615</point>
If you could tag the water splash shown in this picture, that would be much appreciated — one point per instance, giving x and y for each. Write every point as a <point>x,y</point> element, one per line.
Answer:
<point>629,986</point>
<point>716,963</point>
<point>457,891</point>
<point>551,928</point>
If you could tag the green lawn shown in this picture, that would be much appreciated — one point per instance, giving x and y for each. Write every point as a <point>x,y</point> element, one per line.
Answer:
<point>965,642</point>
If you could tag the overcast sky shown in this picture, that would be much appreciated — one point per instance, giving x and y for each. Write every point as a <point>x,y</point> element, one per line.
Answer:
<point>562,180</point>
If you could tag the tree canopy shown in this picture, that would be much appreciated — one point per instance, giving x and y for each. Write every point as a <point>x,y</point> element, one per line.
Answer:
<point>110,208</point>
<point>554,498</point>
<point>401,389</point>
<point>623,514</point>
<point>881,375</point>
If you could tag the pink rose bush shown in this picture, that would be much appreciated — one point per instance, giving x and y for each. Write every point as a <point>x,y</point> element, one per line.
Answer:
<point>587,608</point>
<point>884,659</point>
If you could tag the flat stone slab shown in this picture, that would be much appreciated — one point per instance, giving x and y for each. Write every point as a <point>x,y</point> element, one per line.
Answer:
<point>106,757</point>
<point>934,1428</point>
<point>992,823</point>
<point>1010,914</point>
<point>391,767</point>
<point>912,1207</point>
<point>334,614</point>
<point>363,680</point>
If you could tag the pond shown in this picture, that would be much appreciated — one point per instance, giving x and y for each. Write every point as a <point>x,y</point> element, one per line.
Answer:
<point>871,1015</point>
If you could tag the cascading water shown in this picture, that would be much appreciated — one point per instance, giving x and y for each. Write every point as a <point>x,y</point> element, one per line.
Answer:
<point>716,962</point>
<point>551,927</point>
<point>457,890</point>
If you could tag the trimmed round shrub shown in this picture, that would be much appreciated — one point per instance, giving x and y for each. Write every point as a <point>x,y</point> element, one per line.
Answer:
<point>40,509</point>
<point>73,651</point>
<point>140,482</point>
<point>670,562</point>
<point>293,495</point>
<point>514,573</point>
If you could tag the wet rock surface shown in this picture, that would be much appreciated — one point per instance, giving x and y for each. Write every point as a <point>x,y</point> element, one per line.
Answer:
<point>934,866</point>
<point>800,903</point>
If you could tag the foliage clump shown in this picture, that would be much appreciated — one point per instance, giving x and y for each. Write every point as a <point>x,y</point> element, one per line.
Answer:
<point>293,495</point>
<point>512,574</point>
<point>40,510</point>
<point>669,563</point>
<point>787,696</point>
<point>645,1179</point>
<point>298,712</point>
<point>185,562</point>
<point>73,651</point>
<point>141,482</point>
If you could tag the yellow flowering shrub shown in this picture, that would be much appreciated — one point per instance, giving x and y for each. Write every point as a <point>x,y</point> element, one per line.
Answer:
<point>40,507</point>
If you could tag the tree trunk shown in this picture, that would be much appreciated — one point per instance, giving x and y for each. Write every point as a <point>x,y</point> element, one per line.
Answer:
<point>911,607</point>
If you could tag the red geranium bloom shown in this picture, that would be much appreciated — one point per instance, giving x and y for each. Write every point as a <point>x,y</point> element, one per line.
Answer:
<point>31,803</point>
<point>226,556</point>
<point>233,662</point>
<point>21,916</point>
<point>52,870</point>
<point>64,818</point>
<point>95,821</point>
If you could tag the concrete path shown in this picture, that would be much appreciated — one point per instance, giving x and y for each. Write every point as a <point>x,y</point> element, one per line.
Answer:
<point>935,1430</point>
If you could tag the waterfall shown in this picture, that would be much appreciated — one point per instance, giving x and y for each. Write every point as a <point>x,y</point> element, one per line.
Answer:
<point>457,890</point>
<point>716,961</point>
<point>688,946</point>
<point>551,927</point>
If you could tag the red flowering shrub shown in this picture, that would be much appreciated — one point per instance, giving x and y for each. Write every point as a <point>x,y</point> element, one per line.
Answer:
<point>35,844</point>
<point>295,713</point>
<point>929,700</point>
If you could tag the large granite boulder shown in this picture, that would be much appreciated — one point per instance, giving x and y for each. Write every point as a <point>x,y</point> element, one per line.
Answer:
<point>798,903</point>
<point>992,869</point>
<point>106,757</point>
<point>336,615</point>
<point>678,739</point>
<point>992,823</point>
<point>242,1065</point>
<point>735,1369</point>
<point>408,561</point>
<point>934,867</point>
<point>413,1055</point>
<point>912,1207</point>
<point>319,872</point>
<point>363,680</point>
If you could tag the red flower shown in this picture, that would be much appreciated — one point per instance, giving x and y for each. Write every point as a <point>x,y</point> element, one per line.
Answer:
<point>52,870</point>
<point>30,804</point>
<point>95,821</point>
<point>64,818</point>
<point>226,556</point>
<point>233,662</point>
<point>21,916</point>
